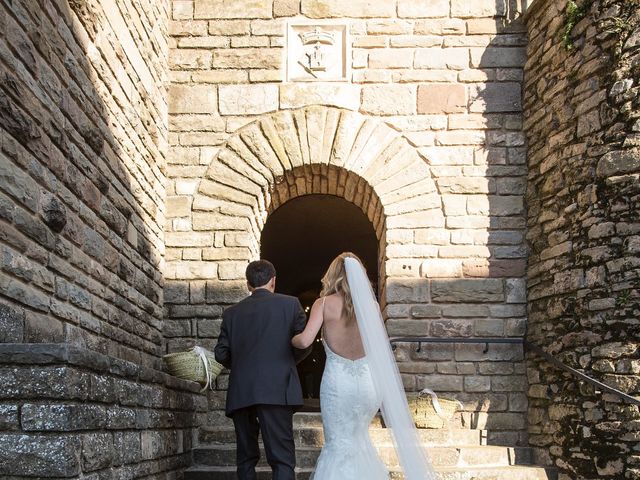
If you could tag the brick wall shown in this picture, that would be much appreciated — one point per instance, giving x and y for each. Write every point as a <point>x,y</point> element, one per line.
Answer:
<point>83,126</point>
<point>439,84</point>
<point>581,107</point>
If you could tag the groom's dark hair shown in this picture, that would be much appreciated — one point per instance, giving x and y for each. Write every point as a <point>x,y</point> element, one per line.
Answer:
<point>259,273</point>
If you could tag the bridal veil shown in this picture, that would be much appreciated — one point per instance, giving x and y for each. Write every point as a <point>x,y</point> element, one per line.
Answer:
<point>385,375</point>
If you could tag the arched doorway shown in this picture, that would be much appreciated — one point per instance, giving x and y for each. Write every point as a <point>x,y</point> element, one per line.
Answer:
<point>314,150</point>
<point>301,238</point>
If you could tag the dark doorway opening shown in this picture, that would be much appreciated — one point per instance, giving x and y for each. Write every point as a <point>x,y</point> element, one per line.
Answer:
<point>301,238</point>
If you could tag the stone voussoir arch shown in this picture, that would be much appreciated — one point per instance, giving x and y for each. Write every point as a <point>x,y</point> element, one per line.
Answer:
<point>311,150</point>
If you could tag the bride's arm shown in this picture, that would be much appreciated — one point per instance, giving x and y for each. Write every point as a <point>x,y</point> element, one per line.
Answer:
<point>308,335</point>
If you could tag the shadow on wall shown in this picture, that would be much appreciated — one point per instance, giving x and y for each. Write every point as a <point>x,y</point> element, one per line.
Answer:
<point>81,230</point>
<point>483,191</point>
<point>81,189</point>
<point>502,160</point>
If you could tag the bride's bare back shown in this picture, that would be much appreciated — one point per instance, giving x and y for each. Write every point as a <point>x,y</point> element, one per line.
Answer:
<point>341,334</point>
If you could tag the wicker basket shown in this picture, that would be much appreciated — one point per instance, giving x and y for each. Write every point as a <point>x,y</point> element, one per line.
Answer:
<point>430,411</point>
<point>198,365</point>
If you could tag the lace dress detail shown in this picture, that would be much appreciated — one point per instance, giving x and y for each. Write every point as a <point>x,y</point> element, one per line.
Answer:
<point>348,402</point>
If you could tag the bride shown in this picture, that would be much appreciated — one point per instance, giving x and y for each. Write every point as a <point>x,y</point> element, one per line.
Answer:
<point>360,377</point>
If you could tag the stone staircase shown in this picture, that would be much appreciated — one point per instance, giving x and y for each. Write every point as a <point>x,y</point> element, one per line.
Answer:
<point>457,453</point>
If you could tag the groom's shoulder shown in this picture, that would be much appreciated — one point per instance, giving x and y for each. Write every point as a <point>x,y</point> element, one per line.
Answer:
<point>285,298</point>
<point>237,306</point>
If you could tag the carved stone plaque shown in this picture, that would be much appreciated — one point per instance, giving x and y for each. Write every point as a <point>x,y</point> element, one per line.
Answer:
<point>317,52</point>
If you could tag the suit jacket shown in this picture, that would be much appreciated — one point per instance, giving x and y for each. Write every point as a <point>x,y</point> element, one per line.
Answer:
<point>255,345</point>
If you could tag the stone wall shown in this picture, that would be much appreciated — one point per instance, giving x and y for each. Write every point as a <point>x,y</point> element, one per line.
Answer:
<point>425,135</point>
<point>83,135</point>
<point>582,118</point>
<point>68,412</point>
<point>83,125</point>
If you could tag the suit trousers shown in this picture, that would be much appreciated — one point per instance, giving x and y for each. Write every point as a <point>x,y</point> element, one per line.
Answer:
<point>275,422</point>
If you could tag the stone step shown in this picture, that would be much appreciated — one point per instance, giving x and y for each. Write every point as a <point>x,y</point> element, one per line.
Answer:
<point>308,432</point>
<point>497,421</point>
<point>444,473</point>
<point>459,420</point>
<point>314,436</point>
<point>452,456</point>
<point>314,419</point>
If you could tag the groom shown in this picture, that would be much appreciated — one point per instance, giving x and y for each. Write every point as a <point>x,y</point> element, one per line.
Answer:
<point>264,389</point>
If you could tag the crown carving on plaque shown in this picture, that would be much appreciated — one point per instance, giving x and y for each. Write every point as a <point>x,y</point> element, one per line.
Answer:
<point>317,36</point>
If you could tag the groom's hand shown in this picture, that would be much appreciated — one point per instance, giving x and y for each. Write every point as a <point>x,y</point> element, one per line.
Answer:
<point>300,355</point>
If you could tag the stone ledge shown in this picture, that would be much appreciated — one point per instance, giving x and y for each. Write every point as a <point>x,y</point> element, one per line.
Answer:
<point>79,456</point>
<point>75,411</point>
<point>64,354</point>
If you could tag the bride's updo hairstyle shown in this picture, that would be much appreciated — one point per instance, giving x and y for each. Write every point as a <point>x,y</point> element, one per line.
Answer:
<point>335,281</point>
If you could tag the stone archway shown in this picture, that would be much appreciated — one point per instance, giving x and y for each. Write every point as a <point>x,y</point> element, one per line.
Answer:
<point>314,150</point>
<point>304,235</point>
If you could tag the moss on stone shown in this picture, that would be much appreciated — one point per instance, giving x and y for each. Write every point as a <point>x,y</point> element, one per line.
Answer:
<point>573,14</point>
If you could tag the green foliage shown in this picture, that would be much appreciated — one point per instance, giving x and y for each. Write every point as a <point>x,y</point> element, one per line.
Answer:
<point>573,14</point>
<point>623,298</point>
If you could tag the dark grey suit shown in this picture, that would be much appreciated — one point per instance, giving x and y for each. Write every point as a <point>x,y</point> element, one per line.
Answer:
<point>264,388</point>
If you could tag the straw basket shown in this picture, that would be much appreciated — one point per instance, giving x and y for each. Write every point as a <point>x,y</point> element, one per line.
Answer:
<point>431,411</point>
<point>198,365</point>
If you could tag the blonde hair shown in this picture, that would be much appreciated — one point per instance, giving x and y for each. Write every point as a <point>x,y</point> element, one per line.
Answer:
<point>335,281</point>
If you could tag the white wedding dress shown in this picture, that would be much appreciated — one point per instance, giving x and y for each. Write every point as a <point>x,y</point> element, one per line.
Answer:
<point>348,401</point>
<point>351,393</point>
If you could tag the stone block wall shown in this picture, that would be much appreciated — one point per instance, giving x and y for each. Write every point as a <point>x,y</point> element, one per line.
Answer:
<point>68,412</point>
<point>425,135</point>
<point>83,141</point>
<point>582,118</point>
